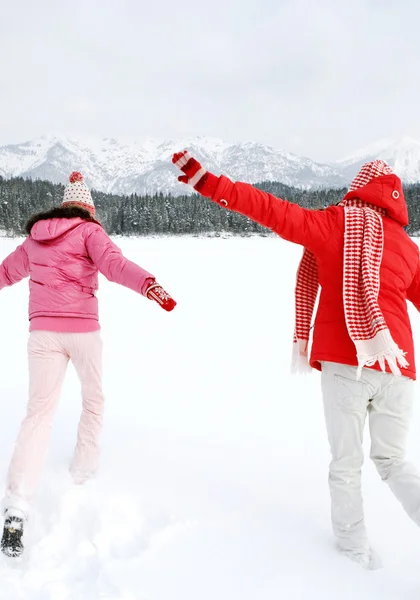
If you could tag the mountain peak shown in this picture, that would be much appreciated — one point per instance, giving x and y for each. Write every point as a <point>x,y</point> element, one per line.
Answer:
<point>365,154</point>
<point>407,140</point>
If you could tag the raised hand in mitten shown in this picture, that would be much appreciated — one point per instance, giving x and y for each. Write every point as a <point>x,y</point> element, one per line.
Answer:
<point>156,292</point>
<point>202,181</point>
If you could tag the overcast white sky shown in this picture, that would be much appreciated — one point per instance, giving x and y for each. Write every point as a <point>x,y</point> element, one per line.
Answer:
<point>316,77</point>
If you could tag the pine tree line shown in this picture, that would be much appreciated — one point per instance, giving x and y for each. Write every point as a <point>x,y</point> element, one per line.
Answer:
<point>164,215</point>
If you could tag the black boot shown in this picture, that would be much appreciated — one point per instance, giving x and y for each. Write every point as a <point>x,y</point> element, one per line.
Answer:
<point>11,542</point>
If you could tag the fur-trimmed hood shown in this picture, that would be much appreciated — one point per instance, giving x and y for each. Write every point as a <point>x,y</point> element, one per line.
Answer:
<point>60,212</point>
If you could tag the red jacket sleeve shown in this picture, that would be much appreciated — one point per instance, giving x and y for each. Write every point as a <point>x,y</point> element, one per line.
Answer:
<point>413,292</point>
<point>110,262</point>
<point>303,226</point>
<point>15,267</point>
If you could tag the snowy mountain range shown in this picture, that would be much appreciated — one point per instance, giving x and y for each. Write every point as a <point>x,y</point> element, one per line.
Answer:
<point>146,167</point>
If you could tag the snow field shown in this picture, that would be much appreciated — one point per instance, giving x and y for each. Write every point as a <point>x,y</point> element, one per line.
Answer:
<point>214,472</point>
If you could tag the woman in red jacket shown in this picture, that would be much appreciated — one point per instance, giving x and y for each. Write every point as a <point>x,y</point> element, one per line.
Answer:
<point>367,267</point>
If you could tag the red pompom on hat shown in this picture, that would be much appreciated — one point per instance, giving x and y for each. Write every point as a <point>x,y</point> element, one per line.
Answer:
<point>75,176</point>
<point>76,192</point>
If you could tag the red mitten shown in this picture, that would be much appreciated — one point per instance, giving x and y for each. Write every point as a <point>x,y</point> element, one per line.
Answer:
<point>156,292</point>
<point>201,180</point>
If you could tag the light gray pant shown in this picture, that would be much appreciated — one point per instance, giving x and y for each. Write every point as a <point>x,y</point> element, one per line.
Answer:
<point>387,400</point>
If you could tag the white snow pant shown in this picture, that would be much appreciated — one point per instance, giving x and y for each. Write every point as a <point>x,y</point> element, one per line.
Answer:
<point>387,400</point>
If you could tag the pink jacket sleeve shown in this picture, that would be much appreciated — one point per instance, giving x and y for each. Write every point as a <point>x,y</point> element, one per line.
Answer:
<point>309,228</point>
<point>15,267</point>
<point>110,261</point>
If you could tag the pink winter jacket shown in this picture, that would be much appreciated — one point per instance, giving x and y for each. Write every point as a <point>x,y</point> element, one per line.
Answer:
<point>62,256</point>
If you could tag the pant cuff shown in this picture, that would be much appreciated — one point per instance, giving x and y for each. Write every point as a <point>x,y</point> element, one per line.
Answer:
<point>11,502</point>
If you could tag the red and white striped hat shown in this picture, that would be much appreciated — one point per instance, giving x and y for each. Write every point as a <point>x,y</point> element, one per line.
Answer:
<point>369,171</point>
<point>77,192</point>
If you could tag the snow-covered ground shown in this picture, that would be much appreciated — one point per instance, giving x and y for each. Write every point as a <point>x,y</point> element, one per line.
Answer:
<point>214,476</point>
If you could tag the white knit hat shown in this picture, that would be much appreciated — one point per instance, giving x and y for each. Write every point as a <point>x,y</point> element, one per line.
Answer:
<point>77,192</point>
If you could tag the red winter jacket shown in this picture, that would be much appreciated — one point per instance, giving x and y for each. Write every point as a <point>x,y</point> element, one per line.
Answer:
<point>322,232</point>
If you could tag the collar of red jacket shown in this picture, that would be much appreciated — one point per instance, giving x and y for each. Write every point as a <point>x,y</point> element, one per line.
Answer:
<point>386,192</point>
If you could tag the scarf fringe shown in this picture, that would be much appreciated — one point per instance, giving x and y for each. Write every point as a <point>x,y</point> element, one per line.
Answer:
<point>300,362</point>
<point>381,349</point>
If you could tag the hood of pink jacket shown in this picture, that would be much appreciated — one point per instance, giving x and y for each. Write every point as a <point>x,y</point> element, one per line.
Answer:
<point>52,229</point>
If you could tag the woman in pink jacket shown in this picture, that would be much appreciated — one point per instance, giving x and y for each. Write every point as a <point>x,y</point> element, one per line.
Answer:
<point>62,255</point>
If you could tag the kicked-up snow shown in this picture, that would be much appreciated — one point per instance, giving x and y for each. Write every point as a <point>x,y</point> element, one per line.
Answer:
<point>213,483</point>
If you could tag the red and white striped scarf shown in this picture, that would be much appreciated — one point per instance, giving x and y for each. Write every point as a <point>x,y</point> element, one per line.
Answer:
<point>363,247</point>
